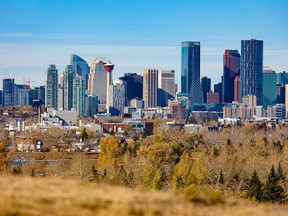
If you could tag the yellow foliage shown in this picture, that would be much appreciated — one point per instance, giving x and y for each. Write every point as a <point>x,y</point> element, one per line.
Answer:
<point>110,150</point>
<point>181,172</point>
<point>198,171</point>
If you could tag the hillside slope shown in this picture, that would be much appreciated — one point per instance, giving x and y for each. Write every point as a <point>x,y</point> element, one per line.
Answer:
<point>54,196</point>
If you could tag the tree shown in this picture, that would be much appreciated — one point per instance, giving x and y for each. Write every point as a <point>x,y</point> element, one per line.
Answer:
<point>255,187</point>
<point>84,135</point>
<point>280,175</point>
<point>272,190</point>
<point>221,178</point>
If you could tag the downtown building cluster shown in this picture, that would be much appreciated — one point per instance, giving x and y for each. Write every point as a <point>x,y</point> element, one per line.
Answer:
<point>90,90</point>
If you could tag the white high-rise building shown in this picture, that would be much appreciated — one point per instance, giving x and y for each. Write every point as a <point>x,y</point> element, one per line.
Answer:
<point>100,78</point>
<point>117,98</point>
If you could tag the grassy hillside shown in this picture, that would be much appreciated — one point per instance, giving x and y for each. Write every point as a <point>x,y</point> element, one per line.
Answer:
<point>56,196</point>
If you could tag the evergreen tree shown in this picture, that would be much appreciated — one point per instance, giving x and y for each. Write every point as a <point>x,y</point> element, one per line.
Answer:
<point>221,178</point>
<point>272,190</point>
<point>255,187</point>
<point>94,174</point>
<point>280,174</point>
<point>84,134</point>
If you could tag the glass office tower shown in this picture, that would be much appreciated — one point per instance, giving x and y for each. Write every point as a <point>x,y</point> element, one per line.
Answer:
<point>231,69</point>
<point>190,71</point>
<point>252,68</point>
<point>81,67</point>
<point>8,92</point>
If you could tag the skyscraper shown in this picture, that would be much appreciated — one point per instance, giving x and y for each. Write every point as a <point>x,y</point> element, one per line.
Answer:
<point>190,71</point>
<point>206,87</point>
<point>51,93</point>
<point>79,95</point>
<point>269,87</point>
<point>166,87</point>
<point>39,94</point>
<point>252,68</point>
<point>117,98</point>
<point>237,88</point>
<point>1,98</point>
<point>150,87</point>
<point>231,68</point>
<point>92,105</point>
<point>23,95</point>
<point>133,86</point>
<point>68,77</point>
<point>8,92</point>
<point>218,88</point>
<point>81,68</point>
<point>99,78</point>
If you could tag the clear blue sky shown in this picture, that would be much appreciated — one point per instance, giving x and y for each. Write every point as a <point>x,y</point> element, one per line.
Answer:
<point>135,34</point>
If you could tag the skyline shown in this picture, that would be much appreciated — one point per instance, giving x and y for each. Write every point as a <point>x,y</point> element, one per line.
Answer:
<point>135,35</point>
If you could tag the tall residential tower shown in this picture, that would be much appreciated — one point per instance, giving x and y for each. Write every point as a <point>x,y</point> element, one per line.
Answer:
<point>51,93</point>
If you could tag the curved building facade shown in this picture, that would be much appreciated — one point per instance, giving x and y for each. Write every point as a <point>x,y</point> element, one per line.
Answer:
<point>190,71</point>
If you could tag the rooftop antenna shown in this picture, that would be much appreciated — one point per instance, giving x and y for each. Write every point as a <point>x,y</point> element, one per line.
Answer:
<point>5,73</point>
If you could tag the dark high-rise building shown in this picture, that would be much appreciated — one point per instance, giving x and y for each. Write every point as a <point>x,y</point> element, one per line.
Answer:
<point>231,68</point>
<point>206,87</point>
<point>190,71</point>
<point>8,92</point>
<point>39,94</point>
<point>133,86</point>
<point>218,88</point>
<point>280,94</point>
<point>1,98</point>
<point>252,68</point>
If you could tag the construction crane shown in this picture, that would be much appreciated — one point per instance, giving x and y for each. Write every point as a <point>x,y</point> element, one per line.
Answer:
<point>28,82</point>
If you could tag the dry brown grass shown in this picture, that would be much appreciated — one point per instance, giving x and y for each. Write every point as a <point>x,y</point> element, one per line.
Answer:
<point>55,196</point>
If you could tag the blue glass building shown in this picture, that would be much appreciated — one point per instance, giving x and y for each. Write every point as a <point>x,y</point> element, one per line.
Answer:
<point>92,105</point>
<point>251,68</point>
<point>8,92</point>
<point>81,67</point>
<point>190,71</point>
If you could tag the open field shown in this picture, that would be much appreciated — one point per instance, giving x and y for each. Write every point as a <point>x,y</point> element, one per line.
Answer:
<point>56,196</point>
